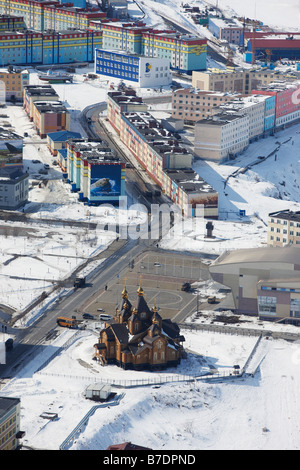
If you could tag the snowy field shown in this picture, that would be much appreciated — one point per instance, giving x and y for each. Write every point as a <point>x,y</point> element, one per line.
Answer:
<point>259,412</point>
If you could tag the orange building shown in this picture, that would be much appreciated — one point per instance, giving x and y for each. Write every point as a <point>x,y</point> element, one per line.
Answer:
<point>50,116</point>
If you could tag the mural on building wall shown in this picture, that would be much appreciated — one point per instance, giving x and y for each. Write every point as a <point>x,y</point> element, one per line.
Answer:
<point>105,180</point>
<point>205,199</point>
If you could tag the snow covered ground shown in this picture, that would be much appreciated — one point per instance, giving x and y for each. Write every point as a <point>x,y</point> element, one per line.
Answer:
<point>259,412</point>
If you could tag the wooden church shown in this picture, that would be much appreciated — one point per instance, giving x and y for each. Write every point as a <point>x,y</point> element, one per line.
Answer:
<point>138,338</point>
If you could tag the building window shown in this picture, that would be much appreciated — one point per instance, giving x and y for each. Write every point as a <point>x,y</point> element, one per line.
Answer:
<point>266,305</point>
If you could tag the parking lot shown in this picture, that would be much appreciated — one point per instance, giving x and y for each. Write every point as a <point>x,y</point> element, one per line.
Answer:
<point>161,275</point>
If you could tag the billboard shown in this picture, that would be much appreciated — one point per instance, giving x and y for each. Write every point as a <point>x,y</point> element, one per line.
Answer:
<point>105,182</point>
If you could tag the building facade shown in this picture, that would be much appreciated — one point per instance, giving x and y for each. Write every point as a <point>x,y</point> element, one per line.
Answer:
<point>254,106</point>
<point>120,36</point>
<point>11,22</point>
<point>287,101</point>
<point>34,93</point>
<point>185,52</point>
<point>58,140</point>
<point>222,137</point>
<point>9,423</point>
<point>265,282</point>
<point>227,29</point>
<point>284,228</point>
<point>237,81</point>
<point>41,15</point>
<point>144,71</point>
<point>158,151</point>
<point>119,102</point>
<point>192,105</point>
<point>14,188</point>
<point>66,17</point>
<point>50,116</point>
<point>48,48</point>
<point>14,81</point>
<point>95,172</point>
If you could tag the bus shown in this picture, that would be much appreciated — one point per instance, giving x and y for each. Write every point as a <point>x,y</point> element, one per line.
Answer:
<point>67,322</point>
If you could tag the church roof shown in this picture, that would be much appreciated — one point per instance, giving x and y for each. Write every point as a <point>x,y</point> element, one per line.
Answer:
<point>120,332</point>
<point>142,305</point>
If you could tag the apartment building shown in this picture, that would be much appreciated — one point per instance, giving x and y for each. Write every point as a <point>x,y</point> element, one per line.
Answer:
<point>192,105</point>
<point>63,17</point>
<point>9,423</point>
<point>41,15</point>
<point>158,151</point>
<point>284,228</point>
<point>11,22</point>
<point>287,100</point>
<point>95,172</point>
<point>122,101</point>
<point>239,81</point>
<point>37,48</point>
<point>184,51</point>
<point>50,116</point>
<point>221,137</point>
<point>227,29</point>
<point>33,93</point>
<point>120,36</point>
<point>13,81</point>
<point>191,193</point>
<point>14,188</point>
<point>253,106</point>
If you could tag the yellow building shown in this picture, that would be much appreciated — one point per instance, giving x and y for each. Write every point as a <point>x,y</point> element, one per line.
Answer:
<point>9,423</point>
<point>239,80</point>
<point>12,83</point>
<point>284,228</point>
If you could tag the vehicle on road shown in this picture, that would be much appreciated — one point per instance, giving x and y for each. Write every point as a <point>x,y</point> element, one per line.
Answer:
<point>79,282</point>
<point>87,316</point>
<point>104,317</point>
<point>66,322</point>
<point>100,310</point>
<point>186,287</point>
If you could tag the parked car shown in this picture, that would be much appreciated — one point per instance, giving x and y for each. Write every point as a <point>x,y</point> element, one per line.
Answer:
<point>211,299</point>
<point>104,317</point>
<point>36,161</point>
<point>100,310</point>
<point>87,316</point>
<point>186,286</point>
<point>46,166</point>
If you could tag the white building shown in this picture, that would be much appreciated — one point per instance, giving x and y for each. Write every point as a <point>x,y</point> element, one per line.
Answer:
<point>253,106</point>
<point>222,137</point>
<point>146,72</point>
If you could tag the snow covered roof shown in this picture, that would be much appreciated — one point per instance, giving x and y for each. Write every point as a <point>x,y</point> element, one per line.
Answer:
<point>287,254</point>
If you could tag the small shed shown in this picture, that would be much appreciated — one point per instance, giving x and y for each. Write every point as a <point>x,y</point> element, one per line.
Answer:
<point>98,392</point>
